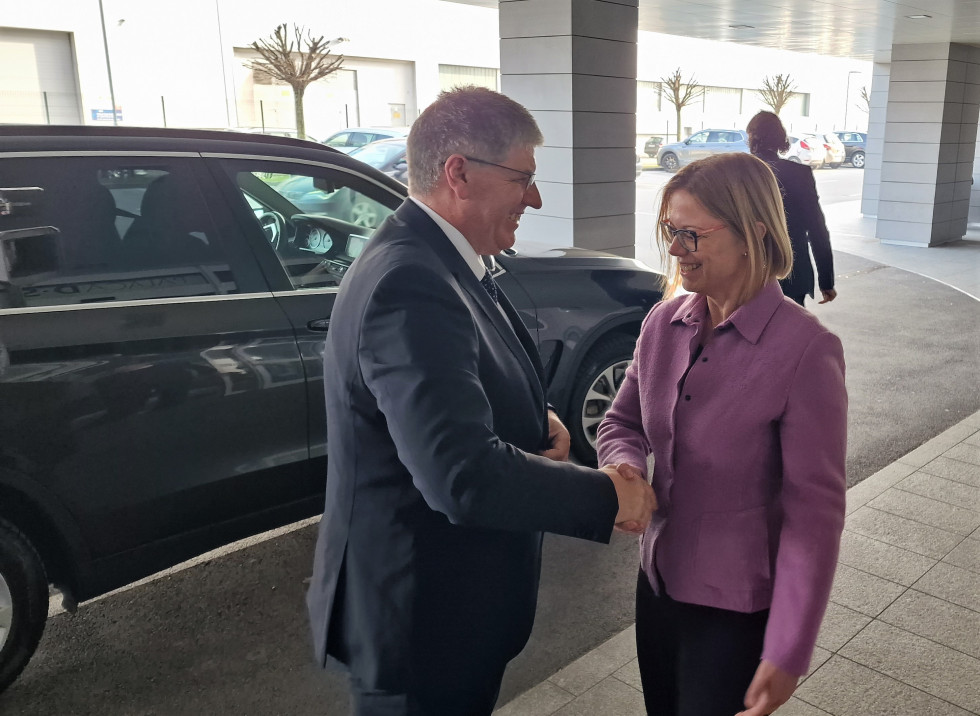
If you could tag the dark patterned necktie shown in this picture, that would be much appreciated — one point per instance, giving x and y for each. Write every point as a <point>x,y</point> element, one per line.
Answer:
<point>490,285</point>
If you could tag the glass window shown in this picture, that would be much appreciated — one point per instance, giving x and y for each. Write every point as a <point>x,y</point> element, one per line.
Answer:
<point>454,75</point>
<point>699,138</point>
<point>317,223</point>
<point>81,230</point>
<point>339,140</point>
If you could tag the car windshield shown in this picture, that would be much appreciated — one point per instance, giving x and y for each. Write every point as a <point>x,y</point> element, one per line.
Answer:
<point>379,153</point>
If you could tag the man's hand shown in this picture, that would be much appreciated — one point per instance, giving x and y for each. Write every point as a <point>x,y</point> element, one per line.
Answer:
<point>770,688</point>
<point>559,439</point>
<point>828,295</point>
<point>636,499</point>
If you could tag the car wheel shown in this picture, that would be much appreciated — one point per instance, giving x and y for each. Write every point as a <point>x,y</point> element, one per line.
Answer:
<point>857,160</point>
<point>23,602</point>
<point>669,162</point>
<point>364,213</point>
<point>835,165</point>
<point>596,384</point>
<point>795,160</point>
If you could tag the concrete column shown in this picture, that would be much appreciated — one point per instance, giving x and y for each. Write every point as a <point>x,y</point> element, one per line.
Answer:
<point>876,139</point>
<point>929,144</point>
<point>572,63</point>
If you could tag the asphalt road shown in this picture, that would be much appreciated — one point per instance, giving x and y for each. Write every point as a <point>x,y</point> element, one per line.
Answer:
<point>228,636</point>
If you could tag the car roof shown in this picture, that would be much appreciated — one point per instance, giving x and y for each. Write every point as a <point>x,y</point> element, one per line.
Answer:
<point>31,138</point>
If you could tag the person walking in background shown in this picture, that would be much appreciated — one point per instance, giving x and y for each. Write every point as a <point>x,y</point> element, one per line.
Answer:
<point>804,217</point>
<point>446,463</point>
<point>738,393</point>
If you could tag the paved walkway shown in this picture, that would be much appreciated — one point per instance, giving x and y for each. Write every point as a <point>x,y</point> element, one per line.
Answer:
<point>902,632</point>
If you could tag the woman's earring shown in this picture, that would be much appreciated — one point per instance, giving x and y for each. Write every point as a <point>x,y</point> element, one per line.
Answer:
<point>745,253</point>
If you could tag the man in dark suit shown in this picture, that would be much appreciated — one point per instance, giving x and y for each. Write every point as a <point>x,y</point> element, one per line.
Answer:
<point>446,463</point>
<point>804,217</point>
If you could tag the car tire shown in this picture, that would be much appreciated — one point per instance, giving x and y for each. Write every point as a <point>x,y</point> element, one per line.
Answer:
<point>364,213</point>
<point>23,602</point>
<point>835,165</point>
<point>669,162</point>
<point>857,160</point>
<point>795,160</point>
<point>594,389</point>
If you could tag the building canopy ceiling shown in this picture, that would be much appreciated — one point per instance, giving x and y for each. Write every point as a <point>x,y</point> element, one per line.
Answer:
<point>859,29</point>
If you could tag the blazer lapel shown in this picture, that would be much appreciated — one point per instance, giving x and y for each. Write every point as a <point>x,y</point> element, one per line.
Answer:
<point>512,332</point>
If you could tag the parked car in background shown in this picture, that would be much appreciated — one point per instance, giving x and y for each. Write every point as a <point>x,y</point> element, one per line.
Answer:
<point>386,155</point>
<point>164,298</point>
<point>652,146</point>
<point>806,149</point>
<point>835,150</point>
<point>854,147</point>
<point>639,165</point>
<point>347,140</point>
<point>700,145</point>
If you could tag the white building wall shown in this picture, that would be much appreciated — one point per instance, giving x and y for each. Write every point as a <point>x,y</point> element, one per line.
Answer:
<point>186,55</point>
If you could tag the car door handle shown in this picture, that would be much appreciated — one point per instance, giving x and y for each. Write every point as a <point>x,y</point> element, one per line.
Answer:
<point>320,324</point>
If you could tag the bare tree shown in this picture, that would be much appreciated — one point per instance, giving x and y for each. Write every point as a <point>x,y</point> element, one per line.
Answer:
<point>865,105</point>
<point>776,91</point>
<point>284,59</point>
<point>679,93</point>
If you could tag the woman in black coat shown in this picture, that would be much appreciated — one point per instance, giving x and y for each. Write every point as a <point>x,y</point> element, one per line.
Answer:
<point>804,218</point>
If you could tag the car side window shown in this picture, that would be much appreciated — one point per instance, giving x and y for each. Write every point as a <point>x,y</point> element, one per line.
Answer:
<point>358,139</point>
<point>339,141</point>
<point>83,230</point>
<point>317,222</point>
<point>699,138</point>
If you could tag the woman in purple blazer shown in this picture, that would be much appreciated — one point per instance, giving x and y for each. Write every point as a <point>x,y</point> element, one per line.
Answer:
<point>736,396</point>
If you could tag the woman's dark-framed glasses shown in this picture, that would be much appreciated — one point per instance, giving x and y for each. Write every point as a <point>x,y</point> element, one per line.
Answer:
<point>530,175</point>
<point>687,238</point>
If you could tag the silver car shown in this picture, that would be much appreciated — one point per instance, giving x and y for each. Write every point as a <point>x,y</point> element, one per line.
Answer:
<point>700,145</point>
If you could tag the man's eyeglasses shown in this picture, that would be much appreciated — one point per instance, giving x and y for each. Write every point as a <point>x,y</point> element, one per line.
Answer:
<point>530,175</point>
<point>687,238</point>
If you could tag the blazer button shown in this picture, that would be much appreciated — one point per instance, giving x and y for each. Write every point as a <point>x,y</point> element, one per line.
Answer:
<point>704,360</point>
<point>687,397</point>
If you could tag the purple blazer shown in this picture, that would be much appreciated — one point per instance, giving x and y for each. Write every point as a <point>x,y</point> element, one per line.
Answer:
<point>748,458</point>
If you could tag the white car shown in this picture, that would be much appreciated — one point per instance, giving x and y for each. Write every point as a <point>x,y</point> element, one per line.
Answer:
<point>806,149</point>
<point>836,152</point>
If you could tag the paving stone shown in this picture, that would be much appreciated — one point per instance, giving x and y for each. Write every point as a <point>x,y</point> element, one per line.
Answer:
<point>844,688</point>
<point>610,696</point>
<point>839,625</point>
<point>588,670</point>
<point>927,510</point>
<point>952,469</point>
<point>863,592</point>
<point>868,489</point>
<point>820,656</point>
<point>630,675</point>
<point>966,554</point>
<point>542,700</point>
<point>973,439</point>
<point>952,583</point>
<point>965,452</point>
<point>927,452</point>
<point>936,669</point>
<point>937,620</point>
<point>881,559</point>
<point>939,488</point>
<point>903,532</point>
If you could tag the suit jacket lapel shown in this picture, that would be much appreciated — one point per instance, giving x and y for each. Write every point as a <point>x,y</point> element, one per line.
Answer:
<point>515,335</point>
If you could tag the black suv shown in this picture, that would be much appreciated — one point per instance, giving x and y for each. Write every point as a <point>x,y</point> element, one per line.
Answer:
<point>855,146</point>
<point>164,297</point>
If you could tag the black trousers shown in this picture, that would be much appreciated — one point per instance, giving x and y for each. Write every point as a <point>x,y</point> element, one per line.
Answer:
<point>694,660</point>
<point>455,692</point>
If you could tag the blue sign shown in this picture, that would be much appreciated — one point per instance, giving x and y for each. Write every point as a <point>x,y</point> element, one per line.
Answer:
<point>105,115</point>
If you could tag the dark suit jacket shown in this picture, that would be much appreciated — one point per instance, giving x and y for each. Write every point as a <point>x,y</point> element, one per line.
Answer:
<point>807,228</point>
<point>429,548</point>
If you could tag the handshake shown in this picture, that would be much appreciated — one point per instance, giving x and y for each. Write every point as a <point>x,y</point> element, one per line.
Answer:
<point>637,501</point>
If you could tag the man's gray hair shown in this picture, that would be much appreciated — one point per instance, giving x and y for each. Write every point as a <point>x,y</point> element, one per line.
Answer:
<point>473,121</point>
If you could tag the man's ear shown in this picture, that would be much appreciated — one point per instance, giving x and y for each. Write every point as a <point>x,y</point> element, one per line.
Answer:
<point>455,172</point>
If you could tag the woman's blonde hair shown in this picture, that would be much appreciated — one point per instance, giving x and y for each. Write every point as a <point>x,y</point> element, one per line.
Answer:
<point>740,190</point>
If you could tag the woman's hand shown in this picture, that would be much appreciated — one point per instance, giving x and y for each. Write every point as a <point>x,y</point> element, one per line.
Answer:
<point>770,688</point>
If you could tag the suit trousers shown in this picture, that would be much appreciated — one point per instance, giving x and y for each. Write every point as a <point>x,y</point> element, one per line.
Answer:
<point>470,692</point>
<point>694,660</point>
